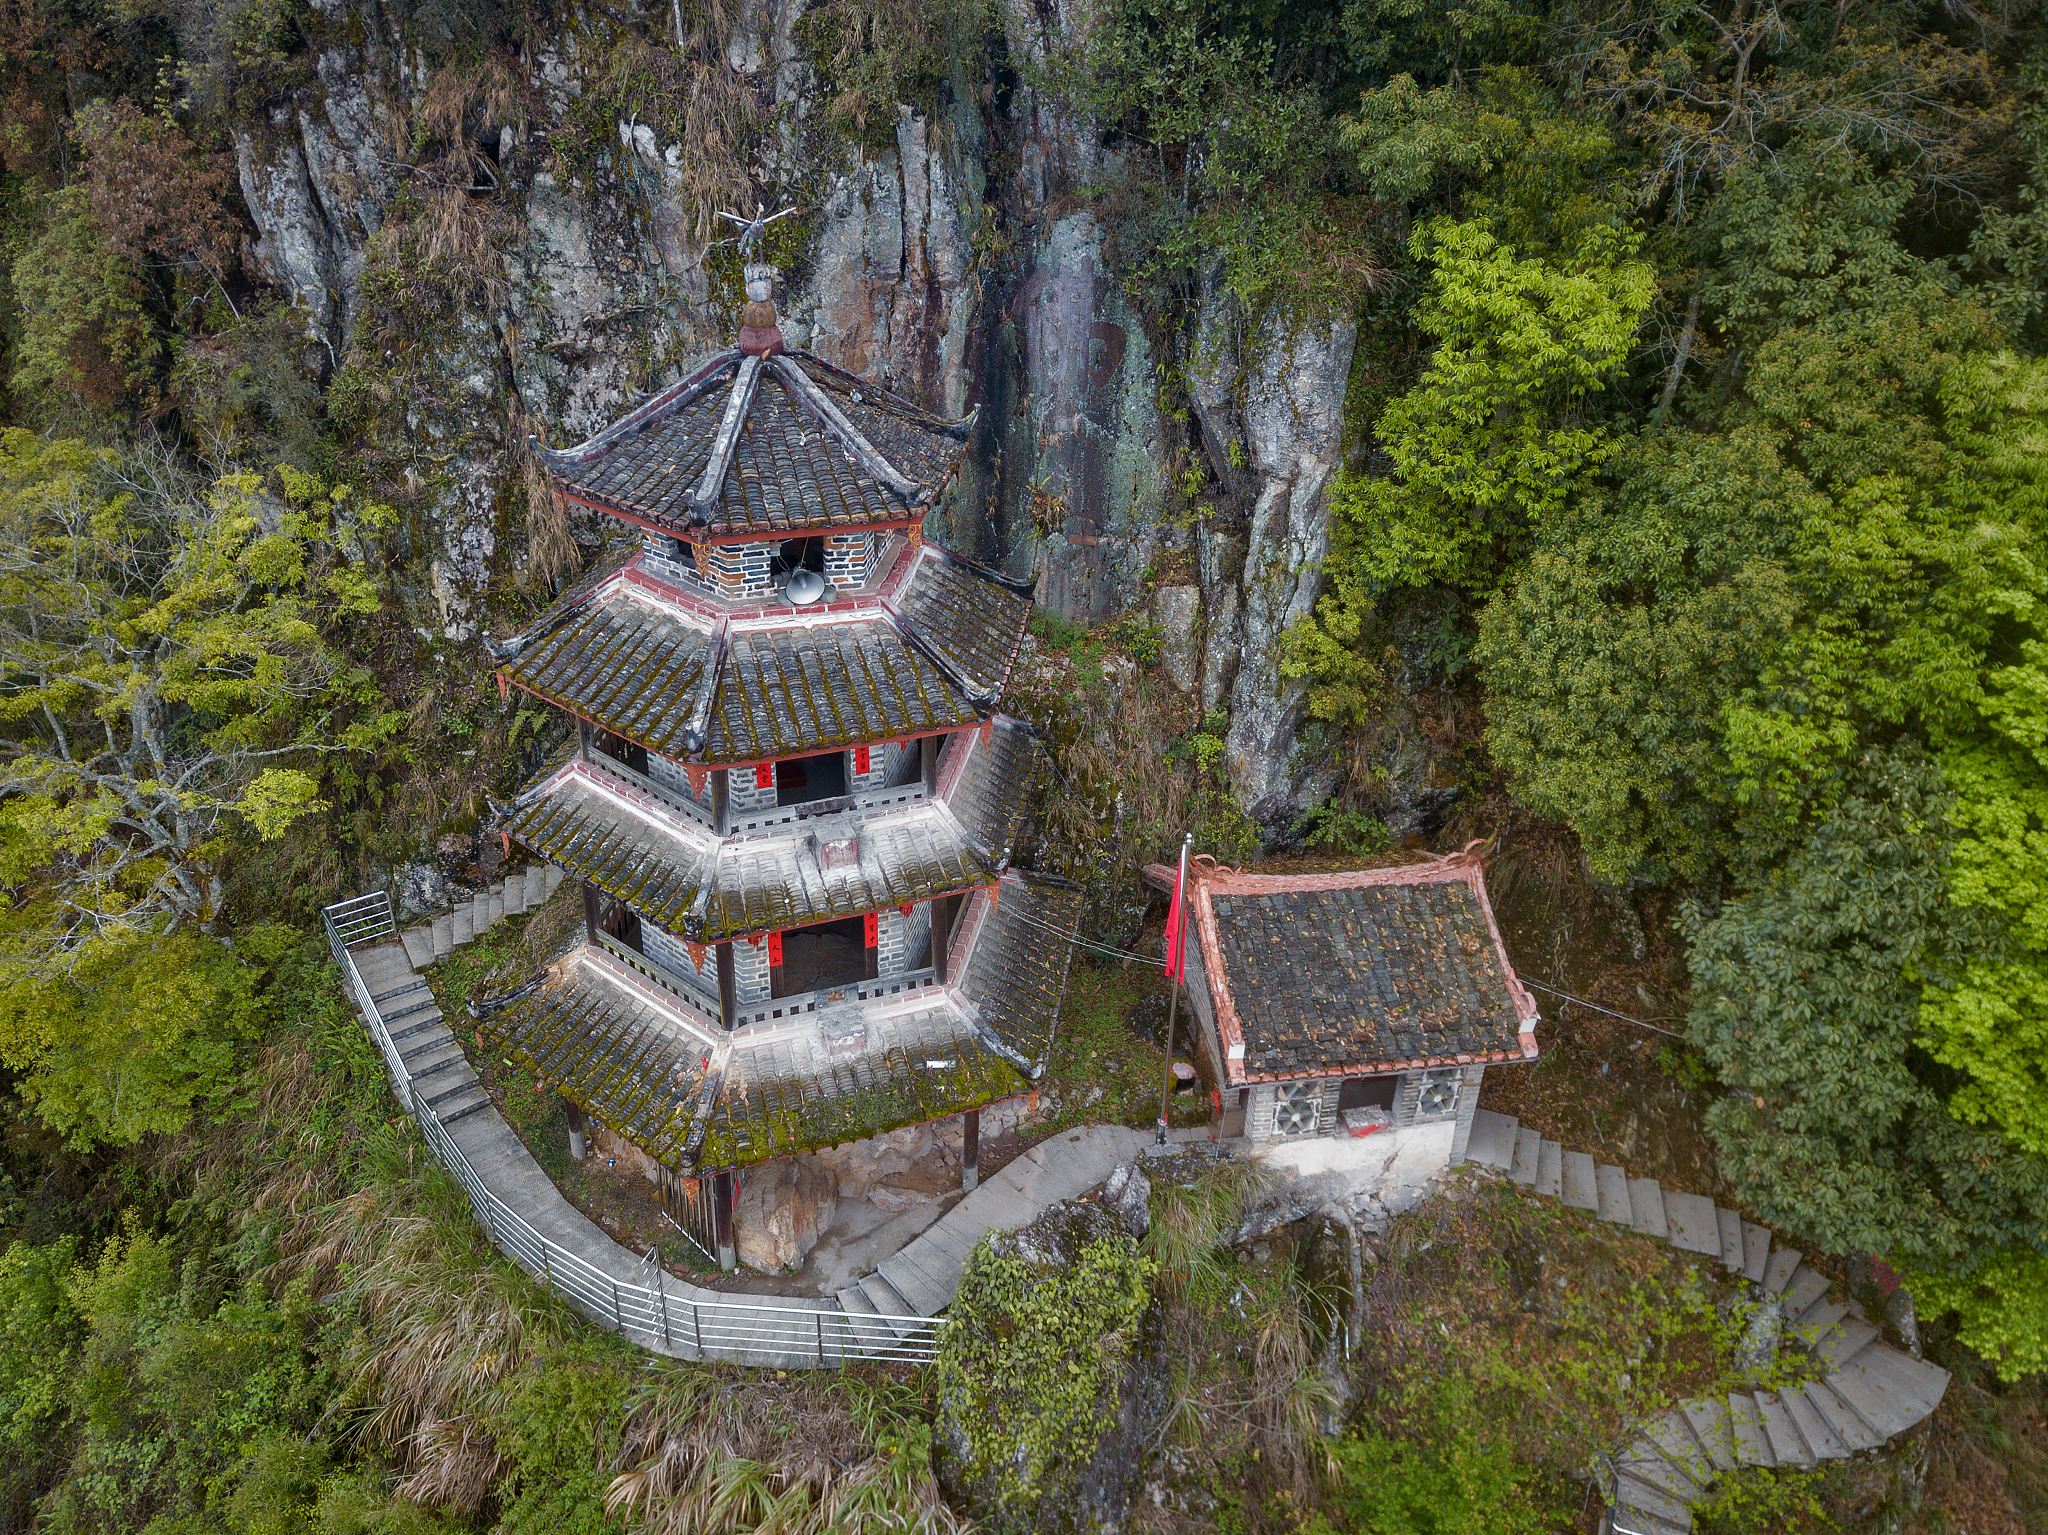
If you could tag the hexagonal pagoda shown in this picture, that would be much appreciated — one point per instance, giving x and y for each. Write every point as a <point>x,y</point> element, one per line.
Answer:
<point>789,801</point>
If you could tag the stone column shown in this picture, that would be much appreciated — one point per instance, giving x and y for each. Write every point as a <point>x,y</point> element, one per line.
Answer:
<point>721,1221</point>
<point>970,1149</point>
<point>942,936</point>
<point>728,986</point>
<point>574,1114</point>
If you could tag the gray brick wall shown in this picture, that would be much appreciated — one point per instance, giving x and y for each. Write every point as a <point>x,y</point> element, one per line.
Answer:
<point>1262,1113</point>
<point>1408,1108</point>
<point>743,791</point>
<point>739,570</point>
<point>673,955</point>
<point>902,943</point>
<point>850,558</point>
<point>750,970</point>
<point>671,776</point>
<point>1468,1105</point>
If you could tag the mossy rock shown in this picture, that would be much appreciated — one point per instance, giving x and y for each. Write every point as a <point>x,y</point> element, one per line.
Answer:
<point>1053,1380</point>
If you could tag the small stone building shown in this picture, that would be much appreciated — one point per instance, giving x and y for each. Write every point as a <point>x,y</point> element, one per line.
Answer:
<point>1368,1002</point>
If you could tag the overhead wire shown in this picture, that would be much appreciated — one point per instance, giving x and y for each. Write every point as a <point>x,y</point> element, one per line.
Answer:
<point>1596,1007</point>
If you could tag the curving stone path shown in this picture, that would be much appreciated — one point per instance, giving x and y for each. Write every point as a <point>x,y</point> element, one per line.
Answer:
<point>877,1315</point>
<point>1871,1392</point>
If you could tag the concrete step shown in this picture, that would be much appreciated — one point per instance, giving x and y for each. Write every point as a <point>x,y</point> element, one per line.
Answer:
<point>1843,1342</point>
<point>414,1030</point>
<point>1579,1192</point>
<point>927,1293</point>
<point>1920,1381</point>
<point>1806,1288</point>
<point>452,1114</point>
<point>1492,1142</point>
<point>464,918</point>
<point>1813,1425</point>
<point>1645,1462</point>
<point>1756,1251</point>
<point>1881,1397</point>
<point>1778,1272</point>
<point>1751,1447</point>
<point>443,930</point>
<point>870,1334</point>
<point>426,1045</point>
<point>1788,1446</point>
<point>1646,1208</point>
<point>1638,1496</point>
<point>1709,1421</point>
<point>1817,1321</point>
<point>411,1011</point>
<point>1690,1220</point>
<point>420,1074</point>
<point>884,1298</point>
<point>1528,1146</point>
<point>1673,1438</point>
<point>1640,1521</point>
<point>419,946</point>
<point>411,986</point>
<point>515,894</point>
<point>1610,1185</point>
<point>435,1100</point>
<point>1549,1169</point>
<point>1847,1423</point>
<point>1731,1239</point>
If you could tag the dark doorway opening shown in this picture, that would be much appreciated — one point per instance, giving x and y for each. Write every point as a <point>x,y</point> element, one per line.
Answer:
<point>1367,1093</point>
<point>800,780</point>
<point>619,749</point>
<point>797,554</point>
<point>819,958</point>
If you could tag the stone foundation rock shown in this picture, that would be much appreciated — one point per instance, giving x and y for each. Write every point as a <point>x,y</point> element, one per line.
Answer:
<point>779,1212</point>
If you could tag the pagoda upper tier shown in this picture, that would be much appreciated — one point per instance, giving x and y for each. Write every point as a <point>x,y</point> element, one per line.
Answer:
<point>924,646</point>
<point>754,446</point>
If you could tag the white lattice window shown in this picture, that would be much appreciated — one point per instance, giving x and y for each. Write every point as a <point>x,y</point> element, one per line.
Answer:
<point>1298,1109</point>
<point>1438,1097</point>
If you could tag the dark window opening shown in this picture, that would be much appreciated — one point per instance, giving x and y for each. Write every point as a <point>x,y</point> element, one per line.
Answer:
<point>1367,1093</point>
<point>619,749</point>
<point>797,554</point>
<point>619,921</point>
<point>799,780</point>
<point>820,958</point>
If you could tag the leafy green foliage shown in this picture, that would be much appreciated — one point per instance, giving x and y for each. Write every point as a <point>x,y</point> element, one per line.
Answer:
<point>1443,1480</point>
<point>1029,1366</point>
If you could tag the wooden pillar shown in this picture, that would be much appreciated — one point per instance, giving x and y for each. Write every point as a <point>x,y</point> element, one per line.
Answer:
<point>721,799</point>
<point>593,912</point>
<point>573,1112</point>
<point>871,932</point>
<point>728,986</point>
<point>942,936</point>
<point>775,965</point>
<point>970,1149</point>
<point>583,728</point>
<point>928,752</point>
<point>721,1221</point>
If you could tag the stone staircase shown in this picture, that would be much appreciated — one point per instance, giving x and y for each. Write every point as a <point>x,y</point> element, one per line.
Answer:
<point>473,918</point>
<point>1870,1393</point>
<point>920,1278</point>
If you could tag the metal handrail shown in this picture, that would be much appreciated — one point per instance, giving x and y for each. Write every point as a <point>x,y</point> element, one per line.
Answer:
<point>687,1325</point>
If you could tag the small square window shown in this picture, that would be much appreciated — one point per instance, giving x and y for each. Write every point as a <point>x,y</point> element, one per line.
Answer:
<point>1298,1109</point>
<point>1438,1097</point>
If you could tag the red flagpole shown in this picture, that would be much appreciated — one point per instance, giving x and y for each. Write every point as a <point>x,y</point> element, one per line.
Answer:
<point>1176,919</point>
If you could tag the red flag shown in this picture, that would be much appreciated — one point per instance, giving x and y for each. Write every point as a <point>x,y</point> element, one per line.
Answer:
<point>1175,916</point>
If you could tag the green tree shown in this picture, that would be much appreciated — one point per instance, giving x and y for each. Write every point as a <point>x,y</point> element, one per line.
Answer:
<point>161,674</point>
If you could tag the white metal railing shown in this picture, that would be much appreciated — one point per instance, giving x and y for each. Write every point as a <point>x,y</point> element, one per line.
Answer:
<point>693,1323</point>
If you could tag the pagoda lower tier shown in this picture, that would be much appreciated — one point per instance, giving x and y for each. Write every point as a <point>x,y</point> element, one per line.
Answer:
<point>632,1045</point>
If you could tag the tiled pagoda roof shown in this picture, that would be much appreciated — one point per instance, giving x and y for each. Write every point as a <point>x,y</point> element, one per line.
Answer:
<point>929,650</point>
<point>1358,973</point>
<point>873,1057</point>
<point>765,445</point>
<point>635,843</point>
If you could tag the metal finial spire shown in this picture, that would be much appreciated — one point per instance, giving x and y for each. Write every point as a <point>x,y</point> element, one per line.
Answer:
<point>751,229</point>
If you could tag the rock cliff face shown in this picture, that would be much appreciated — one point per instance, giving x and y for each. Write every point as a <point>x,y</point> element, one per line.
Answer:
<point>955,259</point>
